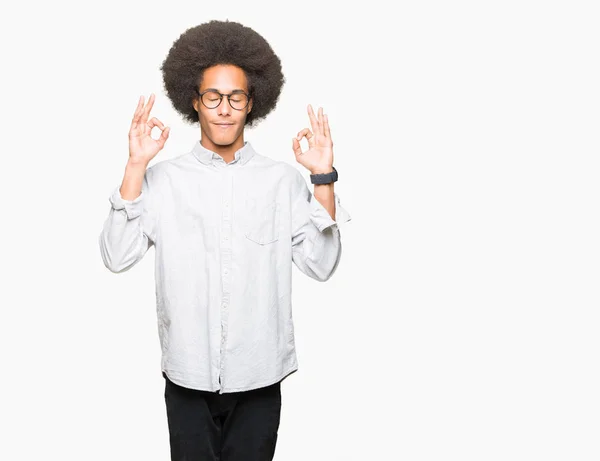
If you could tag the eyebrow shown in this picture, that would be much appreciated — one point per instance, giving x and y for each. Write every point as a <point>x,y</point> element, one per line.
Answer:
<point>237,90</point>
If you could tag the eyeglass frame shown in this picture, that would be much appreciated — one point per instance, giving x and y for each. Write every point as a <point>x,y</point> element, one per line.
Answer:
<point>210,90</point>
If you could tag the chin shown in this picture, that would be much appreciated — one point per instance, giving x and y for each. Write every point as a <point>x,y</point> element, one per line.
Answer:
<point>223,141</point>
<point>226,140</point>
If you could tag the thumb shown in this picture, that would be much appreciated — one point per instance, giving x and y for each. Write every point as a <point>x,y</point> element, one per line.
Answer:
<point>163,137</point>
<point>296,146</point>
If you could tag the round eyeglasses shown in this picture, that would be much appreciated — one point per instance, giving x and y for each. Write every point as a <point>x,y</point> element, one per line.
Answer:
<point>211,99</point>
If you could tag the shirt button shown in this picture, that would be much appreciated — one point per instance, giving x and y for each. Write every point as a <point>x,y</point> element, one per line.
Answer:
<point>226,271</point>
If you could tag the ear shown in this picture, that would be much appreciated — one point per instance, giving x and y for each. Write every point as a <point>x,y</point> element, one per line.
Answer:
<point>250,105</point>
<point>195,104</point>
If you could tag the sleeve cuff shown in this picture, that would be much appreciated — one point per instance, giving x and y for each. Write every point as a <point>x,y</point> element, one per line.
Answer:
<point>321,218</point>
<point>133,208</point>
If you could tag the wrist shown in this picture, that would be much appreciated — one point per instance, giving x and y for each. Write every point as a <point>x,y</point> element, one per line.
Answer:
<point>322,170</point>
<point>136,166</point>
<point>328,177</point>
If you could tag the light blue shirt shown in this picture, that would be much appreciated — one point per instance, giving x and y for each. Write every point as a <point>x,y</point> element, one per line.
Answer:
<point>225,236</point>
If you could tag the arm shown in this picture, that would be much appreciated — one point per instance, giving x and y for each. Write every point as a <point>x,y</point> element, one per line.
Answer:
<point>316,240</point>
<point>316,244</point>
<point>128,231</point>
<point>326,196</point>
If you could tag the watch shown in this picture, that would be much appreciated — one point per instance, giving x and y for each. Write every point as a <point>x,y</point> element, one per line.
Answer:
<point>325,178</point>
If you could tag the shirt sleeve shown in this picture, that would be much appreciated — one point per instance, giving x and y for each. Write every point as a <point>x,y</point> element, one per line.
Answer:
<point>128,231</point>
<point>316,239</point>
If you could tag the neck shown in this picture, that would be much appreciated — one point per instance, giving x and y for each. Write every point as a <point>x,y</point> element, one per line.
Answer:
<point>227,151</point>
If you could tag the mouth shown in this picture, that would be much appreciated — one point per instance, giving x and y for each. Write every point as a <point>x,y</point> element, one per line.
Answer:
<point>224,125</point>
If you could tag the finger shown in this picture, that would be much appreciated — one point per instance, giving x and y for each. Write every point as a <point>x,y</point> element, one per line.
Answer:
<point>163,137</point>
<point>320,120</point>
<point>147,109</point>
<point>296,146</point>
<point>326,130</point>
<point>136,114</point>
<point>309,136</point>
<point>156,122</point>
<point>313,120</point>
<point>305,132</point>
<point>139,105</point>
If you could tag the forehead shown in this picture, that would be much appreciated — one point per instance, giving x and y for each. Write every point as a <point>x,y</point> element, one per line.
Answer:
<point>224,77</point>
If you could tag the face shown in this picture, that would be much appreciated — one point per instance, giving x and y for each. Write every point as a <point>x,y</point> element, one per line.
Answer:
<point>223,126</point>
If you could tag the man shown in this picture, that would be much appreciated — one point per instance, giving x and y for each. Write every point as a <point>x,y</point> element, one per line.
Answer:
<point>226,223</point>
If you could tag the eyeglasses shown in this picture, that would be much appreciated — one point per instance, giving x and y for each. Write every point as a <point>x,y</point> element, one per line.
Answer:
<point>211,99</point>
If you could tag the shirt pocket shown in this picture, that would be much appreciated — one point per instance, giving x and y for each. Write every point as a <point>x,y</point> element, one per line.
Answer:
<point>262,220</point>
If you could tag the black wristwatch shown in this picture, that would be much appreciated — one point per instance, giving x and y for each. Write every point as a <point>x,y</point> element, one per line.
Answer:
<point>326,178</point>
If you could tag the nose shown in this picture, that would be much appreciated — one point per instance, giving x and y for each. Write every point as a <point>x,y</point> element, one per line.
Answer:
<point>224,108</point>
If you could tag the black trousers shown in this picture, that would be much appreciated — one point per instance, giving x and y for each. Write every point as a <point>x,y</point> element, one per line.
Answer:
<point>208,426</point>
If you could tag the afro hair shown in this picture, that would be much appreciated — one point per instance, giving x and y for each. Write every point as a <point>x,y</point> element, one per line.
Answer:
<point>222,42</point>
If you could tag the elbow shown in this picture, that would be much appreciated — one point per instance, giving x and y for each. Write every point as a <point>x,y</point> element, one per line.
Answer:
<point>321,264</point>
<point>326,273</point>
<point>333,267</point>
<point>322,270</point>
<point>317,274</point>
<point>111,263</point>
<point>326,267</point>
<point>112,260</point>
<point>324,278</point>
<point>321,274</point>
<point>115,268</point>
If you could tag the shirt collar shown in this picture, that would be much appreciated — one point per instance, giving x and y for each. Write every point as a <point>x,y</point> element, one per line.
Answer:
<point>208,157</point>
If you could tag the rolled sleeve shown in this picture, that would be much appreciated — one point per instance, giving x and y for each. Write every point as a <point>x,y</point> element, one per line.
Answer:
<point>321,218</point>
<point>316,240</point>
<point>130,227</point>
<point>133,208</point>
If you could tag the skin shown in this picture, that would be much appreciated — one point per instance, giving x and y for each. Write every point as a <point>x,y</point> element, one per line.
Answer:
<point>318,158</point>
<point>225,78</point>
<point>223,141</point>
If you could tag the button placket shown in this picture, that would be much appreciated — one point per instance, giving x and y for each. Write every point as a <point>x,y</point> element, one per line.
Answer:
<point>225,250</point>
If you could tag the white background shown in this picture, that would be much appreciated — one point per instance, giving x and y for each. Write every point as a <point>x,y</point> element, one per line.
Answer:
<point>462,322</point>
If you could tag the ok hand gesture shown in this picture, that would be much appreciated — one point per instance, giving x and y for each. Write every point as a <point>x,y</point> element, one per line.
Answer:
<point>318,158</point>
<point>142,147</point>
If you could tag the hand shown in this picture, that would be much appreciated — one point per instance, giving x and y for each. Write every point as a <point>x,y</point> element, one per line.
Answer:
<point>142,147</point>
<point>318,158</point>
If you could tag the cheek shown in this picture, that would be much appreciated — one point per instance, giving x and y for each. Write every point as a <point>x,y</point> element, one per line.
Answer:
<point>203,120</point>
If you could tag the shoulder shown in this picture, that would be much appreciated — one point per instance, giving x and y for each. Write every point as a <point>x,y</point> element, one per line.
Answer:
<point>294,179</point>
<point>284,170</point>
<point>162,167</point>
<point>280,169</point>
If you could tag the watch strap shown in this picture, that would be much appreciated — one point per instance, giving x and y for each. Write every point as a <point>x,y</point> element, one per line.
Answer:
<point>324,178</point>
